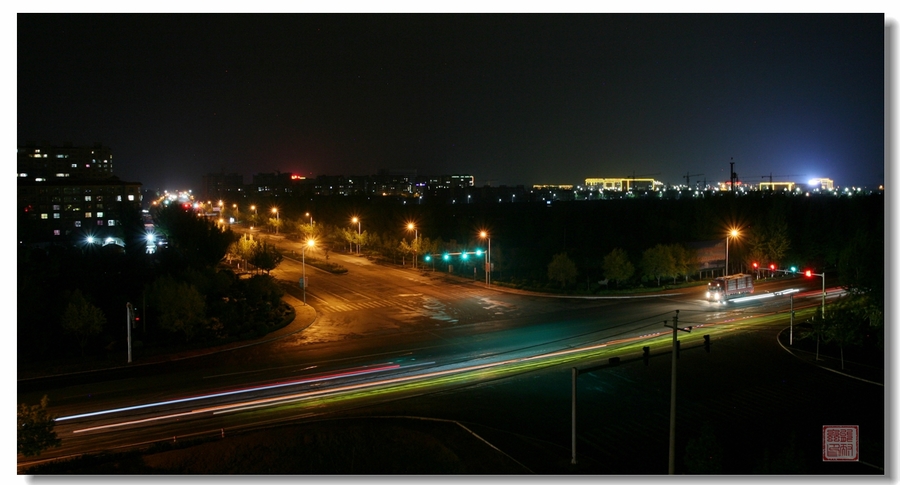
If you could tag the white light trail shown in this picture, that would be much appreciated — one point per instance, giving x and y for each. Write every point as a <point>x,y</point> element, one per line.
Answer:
<point>231,393</point>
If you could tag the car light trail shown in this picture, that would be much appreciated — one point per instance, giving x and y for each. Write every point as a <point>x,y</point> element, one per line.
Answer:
<point>235,392</point>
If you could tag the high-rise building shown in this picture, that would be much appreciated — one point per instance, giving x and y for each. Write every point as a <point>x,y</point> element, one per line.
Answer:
<point>66,194</point>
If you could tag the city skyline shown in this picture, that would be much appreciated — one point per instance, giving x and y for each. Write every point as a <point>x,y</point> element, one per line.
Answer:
<point>512,99</point>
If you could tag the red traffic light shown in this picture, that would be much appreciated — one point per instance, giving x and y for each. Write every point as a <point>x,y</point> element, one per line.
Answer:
<point>755,265</point>
<point>808,273</point>
<point>772,267</point>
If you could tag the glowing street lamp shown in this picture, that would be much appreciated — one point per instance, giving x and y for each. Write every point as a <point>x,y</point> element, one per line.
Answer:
<point>358,232</point>
<point>487,266</point>
<point>732,234</point>
<point>275,211</point>
<point>412,227</point>
<point>309,243</point>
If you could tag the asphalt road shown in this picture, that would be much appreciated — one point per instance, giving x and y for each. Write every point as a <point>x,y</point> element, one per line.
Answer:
<point>372,324</point>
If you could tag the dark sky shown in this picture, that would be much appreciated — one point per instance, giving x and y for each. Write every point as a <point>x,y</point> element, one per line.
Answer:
<point>509,98</point>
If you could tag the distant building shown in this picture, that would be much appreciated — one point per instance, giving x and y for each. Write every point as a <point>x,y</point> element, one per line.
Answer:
<point>821,183</point>
<point>623,184</point>
<point>777,186</point>
<point>66,193</point>
<point>218,186</point>
<point>45,162</point>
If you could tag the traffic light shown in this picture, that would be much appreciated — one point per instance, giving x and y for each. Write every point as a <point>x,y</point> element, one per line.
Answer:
<point>477,252</point>
<point>464,256</point>
<point>427,257</point>
<point>646,355</point>
<point>772,266</point>
<point>706,343</point>
<point>755,265</point>
<point>793,269</point>
<point>808,273</point>
<point>446,257</point>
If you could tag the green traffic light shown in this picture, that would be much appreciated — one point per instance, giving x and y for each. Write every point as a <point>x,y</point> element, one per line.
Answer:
<point>793,269</point>
<point>446,257</point>
<point>465,256</point>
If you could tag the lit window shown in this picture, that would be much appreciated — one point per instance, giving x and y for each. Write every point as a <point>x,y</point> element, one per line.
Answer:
<point>110,222</point>
<point>100,223</point>
<point>87,197</point>
<point>56,215</point>
<point>87,215</point>
<point>77,223</point>
<point>100,214</point>
<point>44,215</point>
<point>56,232</point>
<point>118,198</point>
<point>131,197</point>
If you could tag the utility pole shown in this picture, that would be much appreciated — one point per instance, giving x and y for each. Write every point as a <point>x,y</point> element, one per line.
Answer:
<point>129,316</point>
<point>675,330</point>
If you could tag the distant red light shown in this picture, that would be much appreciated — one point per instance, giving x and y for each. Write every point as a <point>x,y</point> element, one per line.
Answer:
<point>808,273</point>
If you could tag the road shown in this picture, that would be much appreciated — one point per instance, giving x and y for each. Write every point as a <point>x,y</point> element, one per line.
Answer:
<point>381,334</point>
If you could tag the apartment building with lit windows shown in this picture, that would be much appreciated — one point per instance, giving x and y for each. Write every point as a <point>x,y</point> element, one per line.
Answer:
<point>67,193</point>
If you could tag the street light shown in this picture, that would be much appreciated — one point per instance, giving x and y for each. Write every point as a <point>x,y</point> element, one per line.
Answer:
<point>731,234</point>
<point>412,227</point>
<point>358,232</point>
<point>275,211</point>
<point>309,243</point>
<point>310,219</point>
<point>487,266</point>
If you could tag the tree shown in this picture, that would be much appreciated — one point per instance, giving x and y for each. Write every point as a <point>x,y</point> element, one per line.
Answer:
<point>617,266</point>
<point>658,262</point>
<point>34,429</point>
<point>179,307</point>
<point>244,248</point>
<point>197,241</point>
<point>82,319</point>
<point>562,269</point>
<point>845,323</point>
<point>266,257</point>
<point>686,262</point>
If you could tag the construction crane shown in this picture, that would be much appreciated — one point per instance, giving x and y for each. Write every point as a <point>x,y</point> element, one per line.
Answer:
<point>770,176</point>
<point>687,178</point>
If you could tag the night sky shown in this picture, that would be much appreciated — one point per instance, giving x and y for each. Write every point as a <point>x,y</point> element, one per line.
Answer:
<point>509,98</point>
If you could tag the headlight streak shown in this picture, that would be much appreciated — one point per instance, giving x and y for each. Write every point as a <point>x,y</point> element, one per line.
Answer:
<point>378,386</point>
<point>231,393</point>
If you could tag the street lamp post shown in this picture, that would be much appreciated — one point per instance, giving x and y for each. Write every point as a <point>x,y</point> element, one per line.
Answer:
<point>358,232</point>
<point>487,266</point>
<point>275,210</point>
<point>309,243</point>
<point>733,233</point>
<point>412,227</point>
